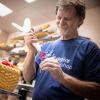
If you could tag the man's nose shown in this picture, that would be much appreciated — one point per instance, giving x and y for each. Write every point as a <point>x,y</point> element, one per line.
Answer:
<point>62,22</point>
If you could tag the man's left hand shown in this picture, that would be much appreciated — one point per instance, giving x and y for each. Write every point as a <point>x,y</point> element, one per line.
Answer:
<point>53,66</point>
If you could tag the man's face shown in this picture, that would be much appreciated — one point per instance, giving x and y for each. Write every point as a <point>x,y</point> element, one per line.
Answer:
<point>67,21</point>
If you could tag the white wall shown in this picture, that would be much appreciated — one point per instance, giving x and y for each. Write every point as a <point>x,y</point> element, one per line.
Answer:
<point>91,26</point>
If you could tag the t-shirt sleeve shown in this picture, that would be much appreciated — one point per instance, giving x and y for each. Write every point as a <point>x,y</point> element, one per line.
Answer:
<point>92,63</point>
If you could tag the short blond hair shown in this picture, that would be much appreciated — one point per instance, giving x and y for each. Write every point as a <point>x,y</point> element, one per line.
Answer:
<point>79,6</point>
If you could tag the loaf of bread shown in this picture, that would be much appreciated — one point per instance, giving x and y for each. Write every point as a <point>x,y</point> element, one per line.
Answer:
<point>40,35</point>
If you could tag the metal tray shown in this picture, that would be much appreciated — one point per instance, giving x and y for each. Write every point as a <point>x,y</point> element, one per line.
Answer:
<point>3,91</point>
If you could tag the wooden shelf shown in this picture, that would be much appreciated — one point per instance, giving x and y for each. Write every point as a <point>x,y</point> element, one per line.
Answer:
<point>20,37</point>
<point>6,48</point>
<point>20,54</point>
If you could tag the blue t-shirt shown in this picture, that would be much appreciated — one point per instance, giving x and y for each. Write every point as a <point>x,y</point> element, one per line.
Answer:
<point>78,57</point>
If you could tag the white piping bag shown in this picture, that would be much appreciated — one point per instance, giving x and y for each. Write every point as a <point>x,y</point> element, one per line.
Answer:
<point>27,28</point>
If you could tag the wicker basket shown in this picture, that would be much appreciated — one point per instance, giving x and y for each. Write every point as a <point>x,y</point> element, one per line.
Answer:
<point>9,77</point>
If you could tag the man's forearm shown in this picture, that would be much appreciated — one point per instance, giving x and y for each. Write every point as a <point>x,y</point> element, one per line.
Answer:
<point>29,67</point>
<point>89,90</point>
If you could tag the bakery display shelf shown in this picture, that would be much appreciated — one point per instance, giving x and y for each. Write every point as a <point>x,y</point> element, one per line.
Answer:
<point>42,36</point>
<point>6,48</point>
<point>3,91</point>
<point>20,54</point>
<point>20,37</point>
<point>26,85</point>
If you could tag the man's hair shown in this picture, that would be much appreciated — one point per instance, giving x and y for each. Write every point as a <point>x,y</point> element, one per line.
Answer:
<point>79,6</point>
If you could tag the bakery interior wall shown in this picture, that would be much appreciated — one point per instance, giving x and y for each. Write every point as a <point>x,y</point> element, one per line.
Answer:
<point>3,39</point>
<point>90,27</point>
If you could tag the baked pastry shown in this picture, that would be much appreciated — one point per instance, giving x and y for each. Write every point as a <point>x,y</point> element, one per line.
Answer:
<point>40,35</point>
<point>9,75</point>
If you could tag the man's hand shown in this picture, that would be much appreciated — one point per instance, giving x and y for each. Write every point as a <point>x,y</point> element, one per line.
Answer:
<point>29,39</point>
<point>52,65</point>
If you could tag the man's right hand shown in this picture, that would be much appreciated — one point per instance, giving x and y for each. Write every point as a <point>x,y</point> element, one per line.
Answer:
<point>30,38</point>
<point>29,70</point>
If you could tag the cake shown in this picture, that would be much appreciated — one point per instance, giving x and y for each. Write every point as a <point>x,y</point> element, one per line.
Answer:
<point>9,75</point>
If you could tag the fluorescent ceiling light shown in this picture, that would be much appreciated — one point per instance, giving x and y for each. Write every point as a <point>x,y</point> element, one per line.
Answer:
<point>17,26</point>
<point>4,10</point>
<point>30,1</point>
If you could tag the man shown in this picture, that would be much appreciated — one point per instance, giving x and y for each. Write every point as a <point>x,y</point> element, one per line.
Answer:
<point>70,68</point>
